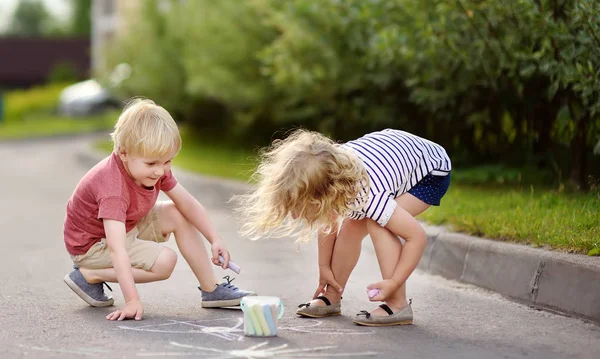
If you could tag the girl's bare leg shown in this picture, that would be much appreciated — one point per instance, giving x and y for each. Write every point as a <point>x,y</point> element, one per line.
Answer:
<point>346,252</point>
<point>388,249</point>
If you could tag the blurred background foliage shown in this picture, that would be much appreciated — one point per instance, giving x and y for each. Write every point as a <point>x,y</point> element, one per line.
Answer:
<point>510,83</point>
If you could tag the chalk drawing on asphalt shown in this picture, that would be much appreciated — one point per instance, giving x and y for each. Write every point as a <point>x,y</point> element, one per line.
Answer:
<point>236,332</point>
<point>260,350</point>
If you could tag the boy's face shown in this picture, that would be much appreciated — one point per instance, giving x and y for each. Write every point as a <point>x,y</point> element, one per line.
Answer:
<point>146,171</point>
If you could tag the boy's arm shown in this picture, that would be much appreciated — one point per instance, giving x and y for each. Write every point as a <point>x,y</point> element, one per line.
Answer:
<point>115,238</point>
<point>195,212</point>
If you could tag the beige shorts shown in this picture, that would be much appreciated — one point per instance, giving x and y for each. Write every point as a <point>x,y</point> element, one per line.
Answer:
<point>143,244</point>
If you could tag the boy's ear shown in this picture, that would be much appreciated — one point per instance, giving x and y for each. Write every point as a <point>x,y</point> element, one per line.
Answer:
<point>122,154</point>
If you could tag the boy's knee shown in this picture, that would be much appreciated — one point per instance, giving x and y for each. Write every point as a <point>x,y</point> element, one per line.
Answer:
<point>165,263</point>
<point>173,216</point>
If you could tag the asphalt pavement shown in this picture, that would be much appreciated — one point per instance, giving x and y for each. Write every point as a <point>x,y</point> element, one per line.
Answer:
<point>40,317</point>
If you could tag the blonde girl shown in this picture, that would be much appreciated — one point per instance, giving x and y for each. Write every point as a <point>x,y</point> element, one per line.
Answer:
<point>374,185</point>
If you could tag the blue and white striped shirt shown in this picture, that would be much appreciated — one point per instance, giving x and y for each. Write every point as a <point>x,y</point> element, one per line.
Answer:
<point>395,162</point>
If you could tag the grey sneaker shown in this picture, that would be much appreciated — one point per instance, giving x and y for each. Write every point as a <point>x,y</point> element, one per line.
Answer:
<point>402,317</point>
<point>92,294</point>
<point>224,295</point>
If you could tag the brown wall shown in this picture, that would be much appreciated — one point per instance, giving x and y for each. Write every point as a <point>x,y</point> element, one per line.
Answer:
<point>28,61</point>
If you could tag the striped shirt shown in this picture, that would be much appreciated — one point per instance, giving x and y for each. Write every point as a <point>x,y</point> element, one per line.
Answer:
<point>395,162</point>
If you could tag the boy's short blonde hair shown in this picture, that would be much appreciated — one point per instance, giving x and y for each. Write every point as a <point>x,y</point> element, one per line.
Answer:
<point>310,175</point>
<point>146,129</point>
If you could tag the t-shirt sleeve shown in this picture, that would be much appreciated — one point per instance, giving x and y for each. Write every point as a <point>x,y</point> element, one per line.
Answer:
<point>380,207</point>
<point>168,182</point>
<point>114,208</point>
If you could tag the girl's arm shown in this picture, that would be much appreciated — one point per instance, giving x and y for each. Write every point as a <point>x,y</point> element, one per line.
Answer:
<point>325,242</point>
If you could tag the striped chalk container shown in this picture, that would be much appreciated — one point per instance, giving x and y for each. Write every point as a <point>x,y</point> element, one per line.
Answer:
<point>261,315</point>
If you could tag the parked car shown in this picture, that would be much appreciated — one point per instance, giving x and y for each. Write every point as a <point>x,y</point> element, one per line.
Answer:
<point>86,98</point>
<point>90,97</point>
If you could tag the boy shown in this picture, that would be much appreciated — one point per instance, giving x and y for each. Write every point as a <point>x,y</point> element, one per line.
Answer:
<point>114,225</point>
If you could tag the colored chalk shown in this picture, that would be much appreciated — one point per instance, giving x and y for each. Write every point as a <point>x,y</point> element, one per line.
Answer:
<point>258,310</point>
<point>373,292</point>
<point>261,315</point>
<point>248,327</point>
<point>269,318</point>
<point>234,267</point>
<point>255,322</point>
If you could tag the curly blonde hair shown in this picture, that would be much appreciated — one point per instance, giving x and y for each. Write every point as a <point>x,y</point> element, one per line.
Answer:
<point>306,174</point>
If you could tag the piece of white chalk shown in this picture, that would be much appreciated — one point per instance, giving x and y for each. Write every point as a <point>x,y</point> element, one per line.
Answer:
<point>372,292</point>
<point>234,267</point>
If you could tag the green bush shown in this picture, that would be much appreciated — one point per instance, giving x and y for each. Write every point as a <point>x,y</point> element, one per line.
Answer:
<point>513,83</point>
<point>63,72</point>
<point>20,104</point>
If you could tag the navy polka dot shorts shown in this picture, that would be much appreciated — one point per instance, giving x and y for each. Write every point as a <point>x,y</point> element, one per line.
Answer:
<point>431,188</point>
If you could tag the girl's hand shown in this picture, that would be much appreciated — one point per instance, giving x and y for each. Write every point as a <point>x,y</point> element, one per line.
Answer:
<point>386,288</point>
<point>326,279</point>
<point>219,248</point>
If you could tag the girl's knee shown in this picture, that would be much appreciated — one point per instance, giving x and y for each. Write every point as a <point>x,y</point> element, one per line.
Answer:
<point>373,227</point>
<point>165,263</point>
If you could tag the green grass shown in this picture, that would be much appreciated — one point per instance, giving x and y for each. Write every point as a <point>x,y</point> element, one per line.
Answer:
<point>538,217</point>
<point>549,219</point>
<point>38,100</point>
<point>46,125</point>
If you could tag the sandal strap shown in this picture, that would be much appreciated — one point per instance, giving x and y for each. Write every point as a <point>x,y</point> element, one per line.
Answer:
<point>324,299</point>
<point>386,308</point>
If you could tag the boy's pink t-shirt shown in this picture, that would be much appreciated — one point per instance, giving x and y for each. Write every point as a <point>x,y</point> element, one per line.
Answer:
<point>107,192</point>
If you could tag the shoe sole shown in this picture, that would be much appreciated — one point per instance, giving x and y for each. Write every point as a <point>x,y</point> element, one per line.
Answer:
<point>309,315</point>
<point>224,303</point>
<point>86,298</point>
<point>404,322</point>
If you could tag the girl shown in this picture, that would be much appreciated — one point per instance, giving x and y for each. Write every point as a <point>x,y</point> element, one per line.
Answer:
<point>373,185</point>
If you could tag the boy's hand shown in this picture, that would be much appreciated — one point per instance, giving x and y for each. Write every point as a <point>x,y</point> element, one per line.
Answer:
<point>326,279</point>
<point>386,288</point>
<point>219,248</point>
<point>131,310</point>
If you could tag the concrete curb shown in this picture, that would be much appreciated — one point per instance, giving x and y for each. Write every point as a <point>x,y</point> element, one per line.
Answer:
<point>567,283</point>
<point>560,282</point>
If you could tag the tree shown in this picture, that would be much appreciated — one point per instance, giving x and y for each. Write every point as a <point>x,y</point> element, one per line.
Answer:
<point>81,23</point>
<point>31,18</point>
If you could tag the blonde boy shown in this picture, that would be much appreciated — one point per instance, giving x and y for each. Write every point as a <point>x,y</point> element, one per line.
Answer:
<point>114,225</point>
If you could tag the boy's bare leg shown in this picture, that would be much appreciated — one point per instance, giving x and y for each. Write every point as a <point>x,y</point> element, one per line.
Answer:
<point>191,244</point>
<point>388,249</point>
<point>346,252</point>
<point>161,270</point>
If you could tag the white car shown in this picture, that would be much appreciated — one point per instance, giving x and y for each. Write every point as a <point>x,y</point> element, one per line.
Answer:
<point>89,97</point>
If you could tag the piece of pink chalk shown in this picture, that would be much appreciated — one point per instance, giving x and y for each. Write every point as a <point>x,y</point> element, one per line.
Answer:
<point>372,292</point>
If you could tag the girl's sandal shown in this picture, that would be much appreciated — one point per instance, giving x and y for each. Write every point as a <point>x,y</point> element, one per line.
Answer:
<point>329,310</point>
<point>402,317</point>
